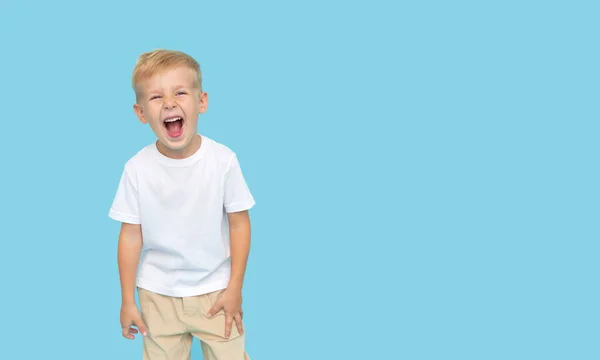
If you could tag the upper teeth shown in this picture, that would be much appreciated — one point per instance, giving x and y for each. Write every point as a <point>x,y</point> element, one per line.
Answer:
<point>173,119</point>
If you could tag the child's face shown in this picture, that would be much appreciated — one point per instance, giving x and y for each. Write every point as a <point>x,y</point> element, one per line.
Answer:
<point>170,102</point>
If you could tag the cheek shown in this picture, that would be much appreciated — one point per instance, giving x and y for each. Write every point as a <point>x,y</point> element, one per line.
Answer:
<point>153,113</point>
<point>153,120</point>
<point>188,102</point>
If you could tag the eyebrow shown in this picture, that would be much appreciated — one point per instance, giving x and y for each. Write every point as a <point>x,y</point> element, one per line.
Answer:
<point>175,87</point>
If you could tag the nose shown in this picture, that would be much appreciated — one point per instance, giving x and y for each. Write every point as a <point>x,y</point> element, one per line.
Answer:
<point>169,104</point>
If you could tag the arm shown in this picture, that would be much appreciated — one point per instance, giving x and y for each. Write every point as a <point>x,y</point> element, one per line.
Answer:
<point>237,201</point>
<point>129,250</point>
<point>231,299</point>
<point>239,237</point>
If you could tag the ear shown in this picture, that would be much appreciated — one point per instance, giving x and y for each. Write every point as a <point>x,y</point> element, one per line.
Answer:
<point>140,113</point>
<point>203,102</point>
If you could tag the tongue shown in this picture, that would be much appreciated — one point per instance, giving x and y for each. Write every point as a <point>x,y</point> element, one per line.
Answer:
<point>174,128</point>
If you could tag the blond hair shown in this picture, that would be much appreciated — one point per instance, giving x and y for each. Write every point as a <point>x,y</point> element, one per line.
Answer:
<point>152,62</point>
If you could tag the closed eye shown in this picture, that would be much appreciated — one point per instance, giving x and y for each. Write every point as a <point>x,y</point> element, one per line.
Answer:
<point>155,97</point>
<point>181,93</point>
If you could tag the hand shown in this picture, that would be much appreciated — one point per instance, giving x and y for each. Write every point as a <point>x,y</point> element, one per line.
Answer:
<point>131,316</point>
<point>230,301</point>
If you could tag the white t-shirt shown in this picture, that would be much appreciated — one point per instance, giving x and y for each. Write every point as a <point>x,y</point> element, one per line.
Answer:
<point>182,206</point>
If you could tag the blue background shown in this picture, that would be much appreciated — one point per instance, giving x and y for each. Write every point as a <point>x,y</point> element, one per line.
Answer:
<point>426,172</point>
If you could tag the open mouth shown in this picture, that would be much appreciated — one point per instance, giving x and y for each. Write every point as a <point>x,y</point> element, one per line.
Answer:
<point>174,126</point>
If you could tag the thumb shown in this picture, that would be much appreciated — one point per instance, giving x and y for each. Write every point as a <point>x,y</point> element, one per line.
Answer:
<point>139,323</point>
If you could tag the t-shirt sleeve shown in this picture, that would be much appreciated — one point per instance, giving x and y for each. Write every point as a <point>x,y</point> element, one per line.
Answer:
<point>237,194</point>
<point>125,204</point>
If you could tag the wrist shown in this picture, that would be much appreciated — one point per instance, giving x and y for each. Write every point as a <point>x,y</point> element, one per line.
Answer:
<point>235,285</point>
<point>127,301</point>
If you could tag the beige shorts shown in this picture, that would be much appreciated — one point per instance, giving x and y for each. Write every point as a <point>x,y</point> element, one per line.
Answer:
<point>173,322</point>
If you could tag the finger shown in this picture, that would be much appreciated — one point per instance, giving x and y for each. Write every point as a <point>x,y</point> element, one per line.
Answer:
<point>228,324</point>
<point>126,333</point>
<point>239,324</point>
<point>215,309</point>
<point>139,323</point>
<point>133,331</point>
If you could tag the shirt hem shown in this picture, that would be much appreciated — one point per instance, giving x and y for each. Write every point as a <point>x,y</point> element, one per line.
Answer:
<point>215,285</point>
<point>115,215</point>
<point>240,206</point>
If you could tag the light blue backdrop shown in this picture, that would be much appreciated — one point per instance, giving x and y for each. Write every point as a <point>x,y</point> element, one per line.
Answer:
<point>426,173</point>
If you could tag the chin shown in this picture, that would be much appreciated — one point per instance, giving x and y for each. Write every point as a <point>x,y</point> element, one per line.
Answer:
<point>177,144</point>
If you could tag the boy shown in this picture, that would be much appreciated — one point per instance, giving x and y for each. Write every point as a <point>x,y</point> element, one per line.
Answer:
<point>184,201</point>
